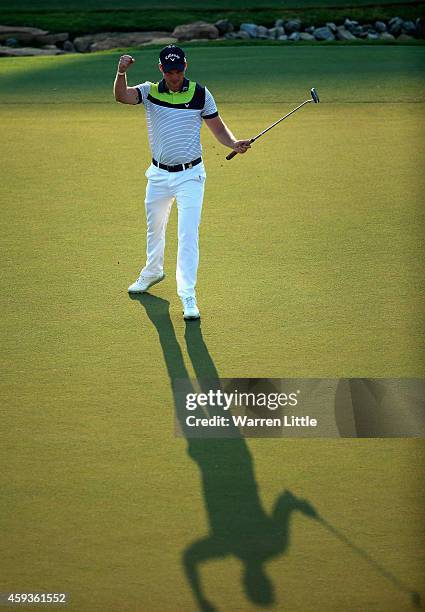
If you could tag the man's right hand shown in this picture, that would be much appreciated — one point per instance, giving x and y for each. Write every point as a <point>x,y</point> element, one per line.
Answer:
<point>125,62</point>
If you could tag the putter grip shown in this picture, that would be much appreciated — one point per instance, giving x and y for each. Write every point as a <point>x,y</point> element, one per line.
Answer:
<point>231,155</point>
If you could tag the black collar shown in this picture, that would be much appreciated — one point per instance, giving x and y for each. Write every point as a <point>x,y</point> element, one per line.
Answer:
<point>162,86</point>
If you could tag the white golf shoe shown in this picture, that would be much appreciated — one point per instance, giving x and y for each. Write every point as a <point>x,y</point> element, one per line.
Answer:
<point>143,283</point>
<point>190,309</point>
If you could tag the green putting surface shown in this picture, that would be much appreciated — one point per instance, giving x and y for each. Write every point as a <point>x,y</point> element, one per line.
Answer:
<point>311,265</point>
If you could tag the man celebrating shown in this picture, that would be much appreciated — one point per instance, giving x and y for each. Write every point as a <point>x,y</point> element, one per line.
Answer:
<point>174,109</point>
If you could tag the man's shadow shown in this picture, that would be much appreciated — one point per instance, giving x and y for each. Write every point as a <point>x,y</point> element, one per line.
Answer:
<point>238,523</point>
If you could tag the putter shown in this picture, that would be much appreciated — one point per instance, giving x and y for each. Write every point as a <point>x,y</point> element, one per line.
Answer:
<point>314,98</point>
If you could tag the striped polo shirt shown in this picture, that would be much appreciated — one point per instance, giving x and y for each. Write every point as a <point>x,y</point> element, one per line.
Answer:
<point>174,119</point>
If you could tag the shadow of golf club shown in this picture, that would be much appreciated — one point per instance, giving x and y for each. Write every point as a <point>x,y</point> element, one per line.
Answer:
<point>238,523</point>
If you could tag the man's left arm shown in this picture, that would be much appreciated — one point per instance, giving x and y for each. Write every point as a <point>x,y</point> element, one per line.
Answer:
<point>225,136</point>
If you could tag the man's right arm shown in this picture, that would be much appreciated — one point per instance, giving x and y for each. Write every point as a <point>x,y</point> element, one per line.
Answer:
<point>122,93</point>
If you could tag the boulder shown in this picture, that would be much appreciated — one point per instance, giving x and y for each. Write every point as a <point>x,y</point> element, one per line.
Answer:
<point>11,42</point>
<point>309,30</point>
<point>198,29</point>
<point>51,39</point>
<point>24,51</point>
<point>279,23</point>
<point>224,26</point>
<point>293,25</point>
<point>394,26</point>
<point>22,34</point>
<point>372,35</point>
<point>295,36</point>
<point>262,32</point>
<point>68,46</point>
<point>357,30</point>
<point>323,34</point>
<point>344,34</point>
<point>331,26</point>
<point>230,35</point>
<point>283,37</point>
<point>404,38</point>
<point>250,28</point>
<point>420,27</point>
<point>112,40</point>
<point>242,35</point>
<point>380,26</point>
<point>386,36</point>
<point>276,32</point>
<point>349,24</point>
<point>306,36</point>
<point>162,40</point>
<point>408,27</point>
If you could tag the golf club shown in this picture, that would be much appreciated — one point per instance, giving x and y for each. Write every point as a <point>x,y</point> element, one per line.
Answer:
<point>314,98</point>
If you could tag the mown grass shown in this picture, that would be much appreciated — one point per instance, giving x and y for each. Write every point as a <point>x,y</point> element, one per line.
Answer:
<point>311,265</point>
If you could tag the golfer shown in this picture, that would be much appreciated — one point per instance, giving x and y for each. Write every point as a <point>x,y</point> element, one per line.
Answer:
<point>175,108</point>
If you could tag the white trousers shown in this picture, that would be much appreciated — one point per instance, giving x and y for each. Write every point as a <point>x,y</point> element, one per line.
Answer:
<point>187,187</point>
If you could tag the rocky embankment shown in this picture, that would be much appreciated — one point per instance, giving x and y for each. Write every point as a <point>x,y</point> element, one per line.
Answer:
<point>18,41</point>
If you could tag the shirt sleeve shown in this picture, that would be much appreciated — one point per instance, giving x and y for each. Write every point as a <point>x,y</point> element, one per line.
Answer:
<point>210,109</point>
<point>143,91</point>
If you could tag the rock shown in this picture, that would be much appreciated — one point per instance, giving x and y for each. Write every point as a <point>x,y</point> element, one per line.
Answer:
<point>276,32</point>
<point>372,35</point>
<point>112,40</point>
<point>306,36</point>
<point>380,26</point>
<point>394,26</point>
<point>224,26</point>
<point>242,35</point>
<point>22,34</point>
<point>349,24</point>
<point>230,35</point>
<point>386,36</point>
<point>420,27</point>
<point>295,36</point>
<point>404,38</point>
<point>331,26</point>
<point>278,23</point>
<point>309,30</point>
<point>68,47</point>
<point>164,40</point>
<point>82,44</point>
<point>51,39</point>
<point>262,31</point>
<point>344,34</point>
<point>408,27</point>
<point>250,28</point>
<point>11,42</point>
<point>198,29</point>
<point>51,47</point>
<point>323,34</point>
<point>26,51</point>
<point>283,37</point>
<point>293,25</point>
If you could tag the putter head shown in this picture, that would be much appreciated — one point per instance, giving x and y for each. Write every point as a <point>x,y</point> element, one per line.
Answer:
<point>314,96</point>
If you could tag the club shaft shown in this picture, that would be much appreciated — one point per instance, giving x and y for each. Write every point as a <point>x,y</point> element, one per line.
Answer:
<point>362,553</point>
<point>279,120</point>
